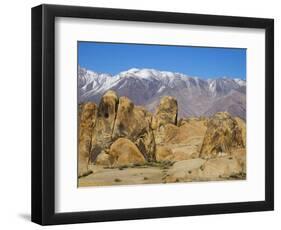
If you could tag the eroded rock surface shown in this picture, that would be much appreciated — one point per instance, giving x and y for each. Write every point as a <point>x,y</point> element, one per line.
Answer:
<point>221,168</point>
<point>118,135</point>
<point>125,152</point>
<point>102,131</point>
<point>222,136</point>
<point>183,142</point>
<point>163,153</point>
<point>88,115</point>
<point>104,159</point>
<point>241,123</point>
<point>166,113</point>
<point>133,123</point>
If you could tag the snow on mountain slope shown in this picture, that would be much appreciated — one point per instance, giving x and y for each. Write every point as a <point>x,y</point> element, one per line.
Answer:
<point>145,87</point>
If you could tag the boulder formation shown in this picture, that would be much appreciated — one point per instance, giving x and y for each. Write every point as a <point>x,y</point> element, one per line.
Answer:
<point>181,142</point>
<point>222,136</point>
<point>88,115</point>
<point>117,133</point>
<point>125,152</point>
<point>166,113</point>
<point>199,169</point>
<point>163,153</point>
<point>133,123</point>
<point>220,168</point>
<point>104,159</point>
<point>106,114</point>
<point>241,123</point>
<point>119,118</point>
<point>184,133</point>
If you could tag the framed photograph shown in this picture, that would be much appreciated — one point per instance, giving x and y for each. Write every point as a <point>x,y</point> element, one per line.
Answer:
<point>142,114</point>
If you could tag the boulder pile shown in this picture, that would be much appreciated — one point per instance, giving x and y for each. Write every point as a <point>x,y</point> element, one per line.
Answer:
<point>118,133</point>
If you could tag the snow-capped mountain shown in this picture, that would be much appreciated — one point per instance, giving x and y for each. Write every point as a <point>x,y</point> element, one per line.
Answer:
<point>145,87</point>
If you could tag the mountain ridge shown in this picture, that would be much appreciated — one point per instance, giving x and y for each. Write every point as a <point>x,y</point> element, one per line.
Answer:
<point>196,96</point>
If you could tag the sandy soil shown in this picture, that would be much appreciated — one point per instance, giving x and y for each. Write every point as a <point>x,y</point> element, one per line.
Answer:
<point>150,174</point>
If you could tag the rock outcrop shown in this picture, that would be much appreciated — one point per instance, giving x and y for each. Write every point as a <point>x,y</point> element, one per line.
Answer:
<point>184,133</point>
<point>88,115</point>
<point>221,168</point>
<point>202,121</point>
<point>166,113</point>
<point>240,155</point>
<point>116,133</point>
<point>163,153</point>
<point>222,136</point>
<point>181,142</point>
<point>106,114</point>
<point>241,123</point>
<point>132,122</point>
<point>104,159</point>
<point>125,152</point>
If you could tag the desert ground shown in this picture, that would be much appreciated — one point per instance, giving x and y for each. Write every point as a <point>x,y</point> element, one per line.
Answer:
<point>182,171</point>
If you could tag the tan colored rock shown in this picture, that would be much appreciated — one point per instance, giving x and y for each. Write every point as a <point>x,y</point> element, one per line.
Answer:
<point>146,144</point>
<point>125,152</point>
<point>184,153</point>
<point>163,153</point>
<point>184,133</point>
<point>88,114</point>
<point>220,168</point>
<point>183,142</point>
<point>104,159</point>
<point>148,115</point>
<point>241,123</point>
<point>222,136</point>
<point>170,131</point>
<point>175,152</point>
<point>133,122</point>
<point>166,113</point>
<point>202,121</point>
<point>101,136</point>
<point>240,155</point>
<point>164,133</point>
<point>129,120</point>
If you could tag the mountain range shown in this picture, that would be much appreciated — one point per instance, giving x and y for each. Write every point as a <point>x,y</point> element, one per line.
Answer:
<point>196,96</point>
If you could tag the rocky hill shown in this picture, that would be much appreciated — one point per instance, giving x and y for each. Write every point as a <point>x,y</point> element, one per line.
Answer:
<point>117,133</point>
<point>195,96</point>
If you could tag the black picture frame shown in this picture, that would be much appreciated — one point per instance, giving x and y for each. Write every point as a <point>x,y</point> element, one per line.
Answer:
<point>43,114</point>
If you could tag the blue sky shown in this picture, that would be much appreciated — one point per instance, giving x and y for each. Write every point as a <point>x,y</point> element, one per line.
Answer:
<point>203,62</point>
